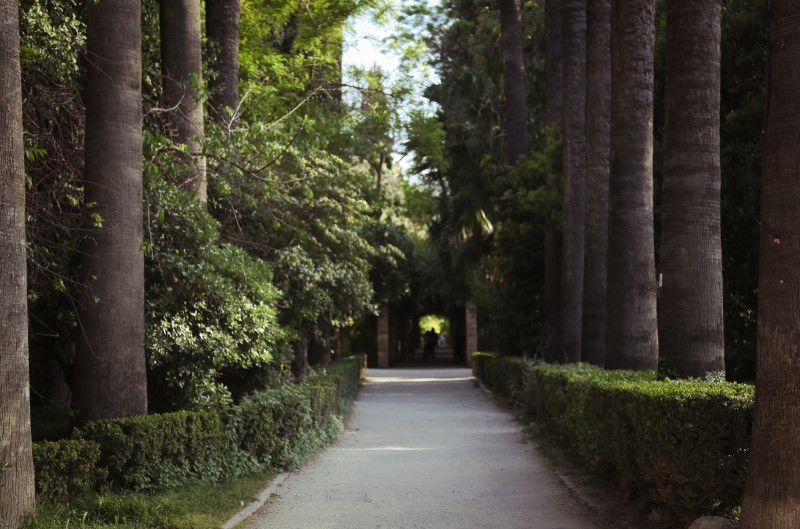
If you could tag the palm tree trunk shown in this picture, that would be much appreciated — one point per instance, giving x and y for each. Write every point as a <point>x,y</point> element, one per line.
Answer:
<point>182,71</point>
<point>770,493</point>
<point>109,375</point>
<point>554,64</point>
<point>514,81</point>
<point>16,461</point>
<point>598,154</point>
<point>573,21</point>
<point>222,28</point>
<point>551,350</point>
<point>691,334</point>
<point>632,332</point>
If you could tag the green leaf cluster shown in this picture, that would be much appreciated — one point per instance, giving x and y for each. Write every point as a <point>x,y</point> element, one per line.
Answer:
<point>67,469</point>
<point>211,309</point>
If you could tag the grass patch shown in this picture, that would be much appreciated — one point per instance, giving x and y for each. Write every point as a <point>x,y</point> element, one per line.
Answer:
<point>193,506</point>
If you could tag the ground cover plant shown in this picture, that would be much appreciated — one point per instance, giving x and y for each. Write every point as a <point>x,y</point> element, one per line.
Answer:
<point>195,505</point>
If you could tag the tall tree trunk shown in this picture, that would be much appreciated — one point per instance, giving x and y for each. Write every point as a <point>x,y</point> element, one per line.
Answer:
<point>598,154</point>
<point>551,350</point>
<point>690,313</point>
<point>573,23</point>
<point>770,495</point>
<point>110,377</point>
<point>16,461</point>
<point>514,81</point>
<point>632,331</point>
<point>182,71</point>
<point>554,64</point>
<point>222,28</point>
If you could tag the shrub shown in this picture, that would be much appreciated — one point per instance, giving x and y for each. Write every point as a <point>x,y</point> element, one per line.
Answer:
<point>346,374</point>
<point>278,428</point>
<point>684,443</point>
<point>253,419</point>
<point>162,450</point>
<point>211,309</point>
<point>67,468</point>
<point>283,426</point>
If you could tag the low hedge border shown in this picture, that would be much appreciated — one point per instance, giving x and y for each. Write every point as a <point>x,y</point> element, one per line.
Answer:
<point>277,428</point>
<point>67,468</point>
<point>682,444</point>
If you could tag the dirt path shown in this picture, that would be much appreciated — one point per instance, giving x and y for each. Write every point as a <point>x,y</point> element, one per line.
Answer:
<point>425,449</point>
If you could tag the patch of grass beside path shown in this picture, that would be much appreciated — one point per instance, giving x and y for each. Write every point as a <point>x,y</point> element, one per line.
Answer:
<point>192,506</point>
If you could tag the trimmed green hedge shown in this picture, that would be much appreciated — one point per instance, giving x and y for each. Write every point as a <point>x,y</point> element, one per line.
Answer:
<point>67,468</point>
<point>682,443</point>
<point>347,374</point>
<point>277,428</point>
<point>156,451</point>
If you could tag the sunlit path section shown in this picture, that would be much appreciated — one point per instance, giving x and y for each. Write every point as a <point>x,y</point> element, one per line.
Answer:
<point>425,449</point>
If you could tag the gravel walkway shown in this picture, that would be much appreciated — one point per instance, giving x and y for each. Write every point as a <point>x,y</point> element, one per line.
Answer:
<point>425,449</point>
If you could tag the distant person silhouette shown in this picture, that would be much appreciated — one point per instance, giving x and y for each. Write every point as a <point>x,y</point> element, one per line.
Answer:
<point>431,337</point>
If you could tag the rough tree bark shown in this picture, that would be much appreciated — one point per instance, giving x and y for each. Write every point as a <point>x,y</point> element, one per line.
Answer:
<point>110,378</point>
<point>222,28</point>
<point>573,23</point>
<point>632,331</point>
<point>690,314</point>
<point>182,71</point>
<point>551,349</point>
<point>598,154</point>
<point>770,495</point>
<point>514,80</point>
<point>16,461</point>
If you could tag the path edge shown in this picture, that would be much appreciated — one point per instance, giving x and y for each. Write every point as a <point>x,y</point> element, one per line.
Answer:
<point>566,481</point>
<point>256,504</point>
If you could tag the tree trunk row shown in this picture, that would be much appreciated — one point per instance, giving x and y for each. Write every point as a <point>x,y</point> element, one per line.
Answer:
<point>182,75</point>
<point>609,284</point>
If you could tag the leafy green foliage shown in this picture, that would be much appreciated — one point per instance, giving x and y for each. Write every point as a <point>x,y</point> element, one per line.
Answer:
<point>296,423</point>
<point>157,451</point>
<point>288,252</point>
<point>684,443</point>
<point>277,429</point>
<point>211,308</point>
<point>271,422</point>
<point>346,375</point>
<point>290,50</point>
<point>526,200</point>
<point>487,224</point>
<point>67,468</point>
<point>303,217</point>
<point>52,48</point>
